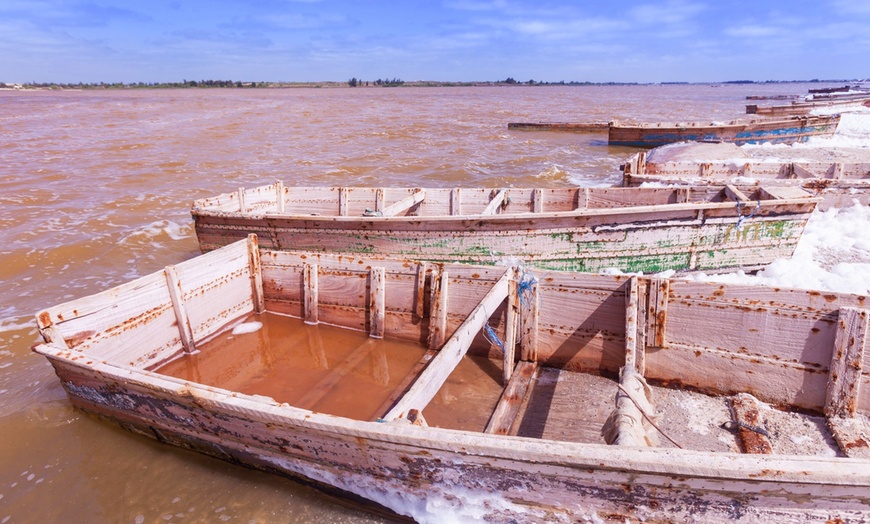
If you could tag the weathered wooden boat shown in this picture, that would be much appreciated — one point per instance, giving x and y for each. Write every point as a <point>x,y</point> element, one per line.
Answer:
<point>583,397</point>
<point>838,184</point>
<point>573,127</point>
<point>804,107</point>
<point>779,131</point>
<point>582,229</point>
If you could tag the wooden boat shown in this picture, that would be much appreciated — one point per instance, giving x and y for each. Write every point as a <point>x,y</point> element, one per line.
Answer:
<point>780,131</point>
<point>838,184</point>
<point>573,127</point>
<point>804,107</point>
<point>593,398</point>
<point>581,229</point>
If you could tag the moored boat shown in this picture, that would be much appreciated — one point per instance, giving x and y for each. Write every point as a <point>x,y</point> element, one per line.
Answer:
<point>776,131</point>
<point>574,127</point>
<point>817,103</point>
<point>583,229</point>
<point>839,182</point>
<point>595,398</point>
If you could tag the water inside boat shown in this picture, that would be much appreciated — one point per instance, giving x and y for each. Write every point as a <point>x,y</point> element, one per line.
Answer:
<point>345,372</point>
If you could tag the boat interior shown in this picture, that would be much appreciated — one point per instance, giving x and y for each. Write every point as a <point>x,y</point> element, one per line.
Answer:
<point>276,199</point>
<point>605,359</point>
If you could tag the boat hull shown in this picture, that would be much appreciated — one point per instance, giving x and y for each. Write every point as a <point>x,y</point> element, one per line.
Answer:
<point>784,131</point>
<point>687,236</point>
<point>417,471</point>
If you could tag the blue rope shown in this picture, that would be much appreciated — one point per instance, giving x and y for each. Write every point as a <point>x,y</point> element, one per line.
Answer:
<point>525,286</point>
<point>491,336</point>
<point>741,218</point>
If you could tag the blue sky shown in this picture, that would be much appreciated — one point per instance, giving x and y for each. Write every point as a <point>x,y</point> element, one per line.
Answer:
<point>462,40</point>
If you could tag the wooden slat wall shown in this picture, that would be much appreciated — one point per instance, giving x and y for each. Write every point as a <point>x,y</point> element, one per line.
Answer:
<point>715,335</point>
<point>141,311</point>
<point>324,201</point>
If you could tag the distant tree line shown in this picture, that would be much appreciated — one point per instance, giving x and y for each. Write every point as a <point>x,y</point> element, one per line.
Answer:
<point>140,85</point>
<point>355,82</point>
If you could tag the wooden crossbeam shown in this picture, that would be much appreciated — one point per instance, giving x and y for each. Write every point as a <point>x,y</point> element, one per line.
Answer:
<point>496,202</point>
<point>733,193</point>
<point>403,385</point>
<point>508,407</point>
<point>404,204</point>
<point>184,330</point>
<point>436,373</point>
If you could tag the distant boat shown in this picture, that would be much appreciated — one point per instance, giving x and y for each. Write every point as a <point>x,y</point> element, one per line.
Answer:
<point>578,127</point>
<point>581,229</point>
<point>517,397</point>
<point>840,101</point>
<point>780,131</point>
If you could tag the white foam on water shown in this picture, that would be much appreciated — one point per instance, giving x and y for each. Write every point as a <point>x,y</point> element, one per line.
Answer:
<point>247,327</point>
<point>159,228</point>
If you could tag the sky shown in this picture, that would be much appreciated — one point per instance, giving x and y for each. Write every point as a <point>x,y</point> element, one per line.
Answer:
<point>450,40</point>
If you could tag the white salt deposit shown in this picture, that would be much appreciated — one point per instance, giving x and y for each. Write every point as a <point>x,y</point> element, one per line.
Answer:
<point>833,255</point>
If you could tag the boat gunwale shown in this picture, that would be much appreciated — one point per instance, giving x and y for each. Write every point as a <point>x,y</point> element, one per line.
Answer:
<point>840,471</point>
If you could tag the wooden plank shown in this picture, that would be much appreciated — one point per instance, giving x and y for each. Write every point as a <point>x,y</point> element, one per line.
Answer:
<point>256,275</point>
<point>783,192</point>
<point>456,201</point>
<point>537,200</point>
<point>379,201</point>
<point>733,193</point>
<point>844,379</point>
<point>631,314</point>
<point>436,373</point>
<point>420,298</point>
<point>310,292</point>
<point>750,425</point>
<point>582,198</point>
<point>181,317</point>
<point>404,204</point>
<point>800,171</point>
<point>657,311</point>
<point>438,309</point>
<point>241,197</point>
<point>530,301</point>
<point>279,196</point>
<point>377,277</point>
<point>402,387</point>
<point>510,330</point>
<point>497,201</point>
<point>342,201</point>
<point>512,399</point>
<point>641,328</point>
<point>852,435</point>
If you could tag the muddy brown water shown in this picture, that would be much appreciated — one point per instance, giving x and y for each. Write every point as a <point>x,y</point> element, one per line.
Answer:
<point>95,189</point>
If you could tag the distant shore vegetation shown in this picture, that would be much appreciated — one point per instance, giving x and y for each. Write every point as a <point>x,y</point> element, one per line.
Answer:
<point>360,83</point>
